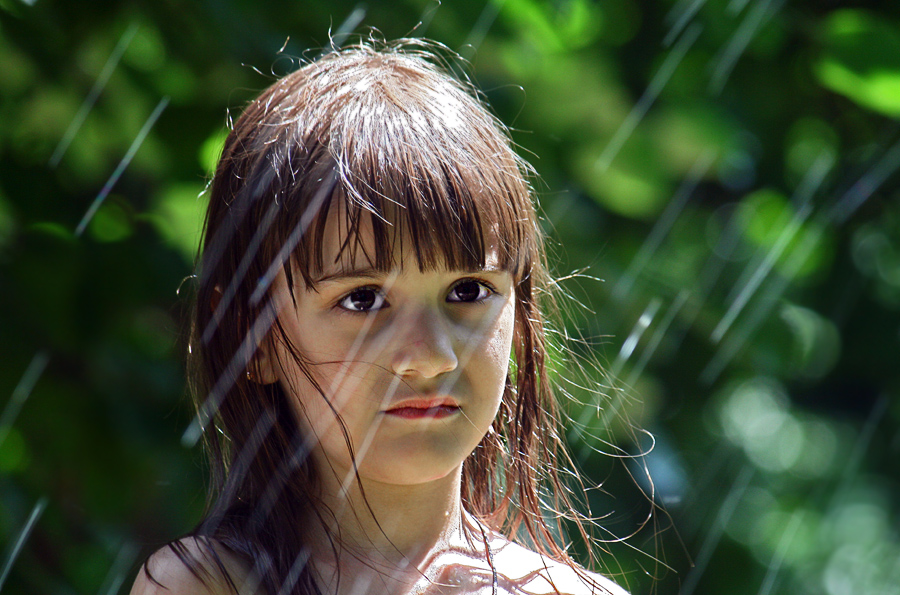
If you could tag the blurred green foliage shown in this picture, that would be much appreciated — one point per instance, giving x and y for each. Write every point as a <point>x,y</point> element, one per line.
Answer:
<point>728,168</point>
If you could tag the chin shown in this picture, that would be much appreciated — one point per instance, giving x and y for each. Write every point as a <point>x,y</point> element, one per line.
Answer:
<point>412,472</point>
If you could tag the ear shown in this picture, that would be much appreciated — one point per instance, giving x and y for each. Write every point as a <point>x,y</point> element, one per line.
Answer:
<point>259,369</point>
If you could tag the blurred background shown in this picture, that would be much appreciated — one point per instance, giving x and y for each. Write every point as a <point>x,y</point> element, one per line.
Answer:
<point>719,180</point>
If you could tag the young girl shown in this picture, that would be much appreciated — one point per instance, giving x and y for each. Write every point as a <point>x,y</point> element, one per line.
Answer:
<point>369,350</point>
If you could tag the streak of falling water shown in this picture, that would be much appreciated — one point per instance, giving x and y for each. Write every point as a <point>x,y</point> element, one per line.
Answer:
<point>361,584</point>
<point>346,28</point>
<point>744,293</point>
<point>119,570</point>
<point>256,185</point>
<point>851,200</point>
<point>736,6</point>
<point>630,344</point>
<point>657,83</point>
<point>674,308</point>
<point>250,253</point>
<point>277,484</point>
<point>728,57</point>
<point>21,539</point>
<point>851,469</point>
<point>854,198</point>
<point>712,271</point>
<point>871,181</point>
<point>248,346</point>
<point>784,544</point>
<point>663,224</point>
<point>290,244</point>
<point>293,575</point>
<point>726,511</point>
<point>735,341</point>
<point>279,481</point>
<point>625,352</point>
<point>117,173</point>
<point>235,368</point>
<point>802,197</point>
<point>682,14</point>
<point>481,27</point>
<point>93,95</point>
<point>22,391</point>
<point>446,386</point>
<point>241,465</point>
<point>241,272</point>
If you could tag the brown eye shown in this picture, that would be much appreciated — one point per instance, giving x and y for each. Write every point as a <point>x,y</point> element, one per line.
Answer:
<point>469,291</point>
<point>364,299</point>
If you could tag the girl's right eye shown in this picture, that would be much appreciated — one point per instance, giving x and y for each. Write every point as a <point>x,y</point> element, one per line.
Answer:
<point>364,299</point>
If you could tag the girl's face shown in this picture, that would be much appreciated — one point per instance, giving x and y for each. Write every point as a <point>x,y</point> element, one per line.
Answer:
<point>414,363</point>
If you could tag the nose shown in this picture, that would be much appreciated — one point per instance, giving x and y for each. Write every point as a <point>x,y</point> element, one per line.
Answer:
<point>425,346</point>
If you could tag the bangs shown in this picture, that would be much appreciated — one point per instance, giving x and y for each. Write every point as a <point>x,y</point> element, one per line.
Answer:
<point>407,163</point>
<point>435,224</point>
<point>385,148</point>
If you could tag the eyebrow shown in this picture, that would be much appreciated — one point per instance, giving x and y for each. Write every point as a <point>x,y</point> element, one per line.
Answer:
<point>361,273</point>
<point>372,273</point>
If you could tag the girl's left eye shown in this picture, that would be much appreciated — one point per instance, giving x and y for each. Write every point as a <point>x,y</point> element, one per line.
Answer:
<point>469,291</point>
<point>364,299</point>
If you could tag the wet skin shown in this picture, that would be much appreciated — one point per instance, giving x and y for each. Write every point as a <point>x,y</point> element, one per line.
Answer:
<point>414,364</point>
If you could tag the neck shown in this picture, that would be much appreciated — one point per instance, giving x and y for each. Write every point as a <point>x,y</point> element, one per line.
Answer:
<point>392,529</point>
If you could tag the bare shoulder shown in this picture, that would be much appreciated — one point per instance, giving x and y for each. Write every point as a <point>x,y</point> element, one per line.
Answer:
<point>166,573</point>
<point>529,572</point>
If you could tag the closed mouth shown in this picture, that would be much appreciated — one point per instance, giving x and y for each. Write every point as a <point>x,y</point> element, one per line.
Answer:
<point>424,408</point>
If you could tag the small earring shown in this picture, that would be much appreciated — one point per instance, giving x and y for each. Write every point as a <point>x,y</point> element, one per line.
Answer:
<point>249,375</point>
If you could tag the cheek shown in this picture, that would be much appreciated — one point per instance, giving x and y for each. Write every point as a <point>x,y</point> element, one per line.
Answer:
<point>317,410</point>
<point>349,389</point>
<point>498,345</point>
<point>330,387</point>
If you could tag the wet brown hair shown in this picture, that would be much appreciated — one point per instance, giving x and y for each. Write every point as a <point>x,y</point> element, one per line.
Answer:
<point>382,135</point>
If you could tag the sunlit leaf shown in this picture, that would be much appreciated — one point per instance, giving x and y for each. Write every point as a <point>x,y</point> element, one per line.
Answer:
<point>632,194</point>
<point>799,244</point>
<point>807,140</point>
<point>13,451</point>
<point>862,60</point>
<point>178,215</point>
<point>816,341</point>
<point>557,26</point>
<point>147,50</point>
<point>211,149</point>
<point>111,223</point>
<point>53,230</point>
<point>176,81</point>
<point>685,135</point>
<point>17,70</point>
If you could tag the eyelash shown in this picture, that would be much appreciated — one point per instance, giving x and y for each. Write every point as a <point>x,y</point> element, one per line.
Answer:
<point>481,283</point>
<point>491,291</point>
<point>374,288</point>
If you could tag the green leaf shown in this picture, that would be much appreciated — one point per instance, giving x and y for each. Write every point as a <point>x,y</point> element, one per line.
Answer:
<point>211,150</point>
<point>558,26</point>
<point>800,246</point>
<point>634,194</point>
<point>862,60</point>
<point>111,223</point>
<point>178,215</point>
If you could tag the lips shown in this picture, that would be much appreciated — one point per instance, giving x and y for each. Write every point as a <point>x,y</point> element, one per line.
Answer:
<point>423,408</point>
